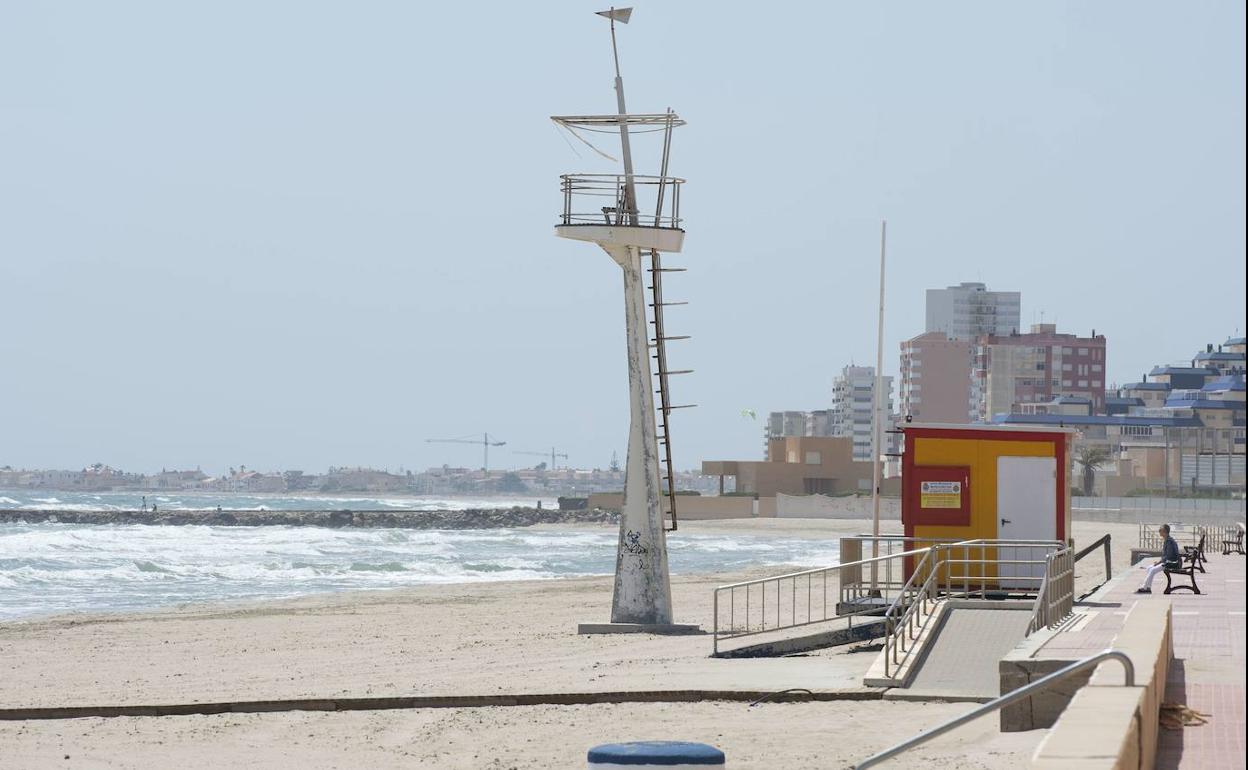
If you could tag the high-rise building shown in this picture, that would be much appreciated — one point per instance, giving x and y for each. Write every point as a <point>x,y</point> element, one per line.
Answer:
<point>969,310</point>
<point>936,378</point>
<point>1031,368</point>
<point>816,424</point>
<point>851,408</point>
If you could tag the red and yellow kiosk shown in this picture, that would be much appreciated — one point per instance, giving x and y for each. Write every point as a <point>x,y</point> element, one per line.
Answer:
<point>986,482</point>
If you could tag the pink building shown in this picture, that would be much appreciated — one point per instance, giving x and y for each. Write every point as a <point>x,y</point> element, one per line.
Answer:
<point>936,378</point>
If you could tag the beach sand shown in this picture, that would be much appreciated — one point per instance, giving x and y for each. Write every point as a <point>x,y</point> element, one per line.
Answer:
<point>463,639</point>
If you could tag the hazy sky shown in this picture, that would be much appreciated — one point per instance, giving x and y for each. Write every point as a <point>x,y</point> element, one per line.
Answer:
<point>302,234</point>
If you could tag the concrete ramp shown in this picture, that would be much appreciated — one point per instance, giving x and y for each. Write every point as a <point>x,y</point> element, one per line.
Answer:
<point>958,657</point>
<point>964,660</point>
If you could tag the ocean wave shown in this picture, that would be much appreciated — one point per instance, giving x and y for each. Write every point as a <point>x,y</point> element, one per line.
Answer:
<point>71,568</point>
<point>389,566</point>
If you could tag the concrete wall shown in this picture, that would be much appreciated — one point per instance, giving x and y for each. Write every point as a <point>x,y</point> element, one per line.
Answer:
<point>694,507</point>
<point>1108,724</point>
<point>822,507</point>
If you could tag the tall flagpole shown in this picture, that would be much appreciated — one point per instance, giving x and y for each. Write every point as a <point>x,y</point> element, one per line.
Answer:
<point>876,399</point>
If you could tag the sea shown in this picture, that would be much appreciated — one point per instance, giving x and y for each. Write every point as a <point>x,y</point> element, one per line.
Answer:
<point>52,569</point>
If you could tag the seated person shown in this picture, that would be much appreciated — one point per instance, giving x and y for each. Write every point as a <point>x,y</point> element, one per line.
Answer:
<point>1170,559</point>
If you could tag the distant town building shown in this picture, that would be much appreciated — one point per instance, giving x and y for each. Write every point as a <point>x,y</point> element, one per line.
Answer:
<point>814,423</point>
<point>969,310</point>
<point>936,378</point>
<point>851,409</point>
<point>1179,428</point>
<point>1229,361</point>
<point>1036,367</point>
<point>797,466</point>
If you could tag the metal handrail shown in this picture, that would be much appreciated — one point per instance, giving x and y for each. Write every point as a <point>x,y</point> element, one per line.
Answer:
<point>900,630</point>
<point>811,579</point>
<point>1103,542</point>
<point>576,188</point>
<point>1056,597</point>
<point>908,626</point>
<point>1003,701</point>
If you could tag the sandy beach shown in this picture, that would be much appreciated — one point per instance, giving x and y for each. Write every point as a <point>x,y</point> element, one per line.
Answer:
<point>459,639</point>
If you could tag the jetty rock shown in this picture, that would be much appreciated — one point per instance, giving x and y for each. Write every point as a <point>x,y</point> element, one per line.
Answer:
<point>469,518</point>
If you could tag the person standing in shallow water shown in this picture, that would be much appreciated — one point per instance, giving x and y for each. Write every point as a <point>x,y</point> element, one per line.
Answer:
<point>144,502</point>
<point>1169,559</point>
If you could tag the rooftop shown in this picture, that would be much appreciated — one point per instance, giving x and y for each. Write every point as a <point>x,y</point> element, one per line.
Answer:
<point>1232,382</point>
<point>1220,356</point>
<point>1162,370</point>
<point>1075,420</point>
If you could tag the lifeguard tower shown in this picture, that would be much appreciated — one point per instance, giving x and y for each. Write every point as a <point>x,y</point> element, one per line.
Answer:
<point>635,218</point>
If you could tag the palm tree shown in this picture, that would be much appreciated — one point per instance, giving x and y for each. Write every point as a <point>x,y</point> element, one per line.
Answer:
<point>1089,458</point>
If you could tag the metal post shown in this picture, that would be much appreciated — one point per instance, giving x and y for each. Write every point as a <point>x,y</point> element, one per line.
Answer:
<point>875,418</point>
<point>630,191</point>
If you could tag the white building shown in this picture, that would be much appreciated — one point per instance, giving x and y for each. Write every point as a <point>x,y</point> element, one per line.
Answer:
<point>966,311</point>
<point>851,409</point>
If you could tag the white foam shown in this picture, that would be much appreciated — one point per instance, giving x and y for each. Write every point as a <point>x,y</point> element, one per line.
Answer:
<point>67,567</point>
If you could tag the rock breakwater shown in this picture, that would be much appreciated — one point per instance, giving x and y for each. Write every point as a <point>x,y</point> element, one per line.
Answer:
<point>472,518</point>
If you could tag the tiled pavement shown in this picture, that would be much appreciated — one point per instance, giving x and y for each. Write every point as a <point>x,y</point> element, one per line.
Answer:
<point>1208,673</point>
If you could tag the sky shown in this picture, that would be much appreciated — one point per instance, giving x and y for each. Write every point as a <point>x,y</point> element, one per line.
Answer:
<point>307,234</point>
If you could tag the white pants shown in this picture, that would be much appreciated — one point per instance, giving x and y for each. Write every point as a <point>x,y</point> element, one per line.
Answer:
<point>1153,571</point>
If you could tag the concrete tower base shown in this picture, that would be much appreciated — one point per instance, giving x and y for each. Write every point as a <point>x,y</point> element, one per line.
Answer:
<point>670,629</point>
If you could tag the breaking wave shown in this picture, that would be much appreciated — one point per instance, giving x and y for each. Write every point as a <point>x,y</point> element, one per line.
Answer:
<point>57,568</point>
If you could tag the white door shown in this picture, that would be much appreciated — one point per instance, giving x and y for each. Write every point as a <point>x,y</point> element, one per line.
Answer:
<point>1026,510</point>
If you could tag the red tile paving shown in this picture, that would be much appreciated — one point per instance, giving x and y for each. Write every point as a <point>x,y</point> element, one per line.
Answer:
<point>1208,673</point>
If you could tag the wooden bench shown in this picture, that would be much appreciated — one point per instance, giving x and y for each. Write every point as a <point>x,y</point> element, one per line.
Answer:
<point>1185,568</point>
<point>1195,554</point>
<point>1234,545</point>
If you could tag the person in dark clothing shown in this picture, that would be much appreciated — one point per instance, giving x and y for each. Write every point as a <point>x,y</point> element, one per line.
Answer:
<point>1169,558</point>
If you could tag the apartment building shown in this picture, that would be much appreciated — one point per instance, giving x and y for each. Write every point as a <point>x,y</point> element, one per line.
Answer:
<point>851,408</point>
<point>936,378</point>
<point>969,310</point>
<point>1036,367</point>
<point>792,423</point>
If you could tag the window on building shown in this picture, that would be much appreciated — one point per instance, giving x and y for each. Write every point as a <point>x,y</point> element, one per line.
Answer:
<point>1083,351</point>
<point>814,458</point>
<point>819,486</point>
<point>1040,366</point>
<point>1096,367</point>
<point>1068,351</point>
<point>1083,383</point>
<point>1068,367</point>
<point>1065,383</point>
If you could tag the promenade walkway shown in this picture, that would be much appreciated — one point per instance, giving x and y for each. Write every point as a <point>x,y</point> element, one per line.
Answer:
<point>1208,670</point>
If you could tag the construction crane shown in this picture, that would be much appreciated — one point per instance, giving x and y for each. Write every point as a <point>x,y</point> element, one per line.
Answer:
<point>553,454</point>
<point>484,441</point>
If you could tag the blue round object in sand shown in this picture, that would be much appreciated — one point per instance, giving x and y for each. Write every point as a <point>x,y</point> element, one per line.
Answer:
<point>656,754</point>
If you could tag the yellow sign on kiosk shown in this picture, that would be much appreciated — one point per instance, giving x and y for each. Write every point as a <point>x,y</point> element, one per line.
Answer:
<point>940,494</point>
